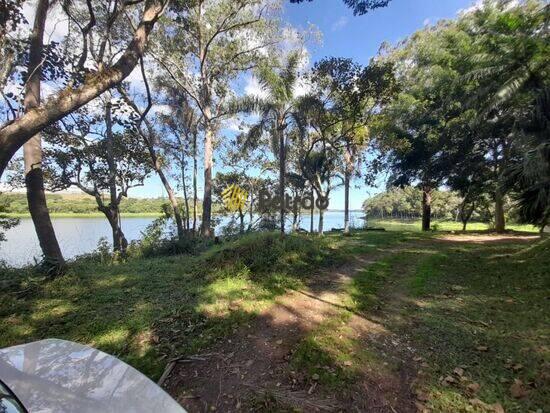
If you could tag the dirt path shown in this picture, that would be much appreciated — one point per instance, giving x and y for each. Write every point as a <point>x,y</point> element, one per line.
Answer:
<point>253,364</point>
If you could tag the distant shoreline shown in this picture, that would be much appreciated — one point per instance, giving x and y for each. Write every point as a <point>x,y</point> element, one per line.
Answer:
<point>123,214</point>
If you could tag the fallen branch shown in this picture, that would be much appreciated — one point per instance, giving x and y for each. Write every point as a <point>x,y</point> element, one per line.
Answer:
<point>294,399</point>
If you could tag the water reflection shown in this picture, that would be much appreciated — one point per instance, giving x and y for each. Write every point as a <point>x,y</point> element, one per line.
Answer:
<point>79,236</point>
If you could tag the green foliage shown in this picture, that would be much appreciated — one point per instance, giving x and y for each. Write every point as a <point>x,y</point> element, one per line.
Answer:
<point>5,222</point>
<point>16,203</point>
<point>406,203</point>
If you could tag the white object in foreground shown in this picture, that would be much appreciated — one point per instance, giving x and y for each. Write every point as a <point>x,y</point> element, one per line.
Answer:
<point>64,377</point>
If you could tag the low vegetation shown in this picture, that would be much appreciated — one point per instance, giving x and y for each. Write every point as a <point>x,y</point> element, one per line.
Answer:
<point>474,313</point>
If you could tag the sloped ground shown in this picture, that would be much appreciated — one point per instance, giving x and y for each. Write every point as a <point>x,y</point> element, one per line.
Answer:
<point>400,329</point>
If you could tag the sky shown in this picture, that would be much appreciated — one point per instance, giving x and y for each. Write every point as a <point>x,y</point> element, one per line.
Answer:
<point>356,37</point>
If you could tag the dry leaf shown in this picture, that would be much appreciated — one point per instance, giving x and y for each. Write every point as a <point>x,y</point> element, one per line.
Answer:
<point>517,390</point>
<point>497,408</point>
<point>459,371</point>
<point>479,403</point>
<point>482,348</point>
<point>517,367</point>
<point>422,396</point>
<point>473,387</point>
<point>347,363</point>
<point>420,408</point>
<point>279,342</point>
<point>449,380</point>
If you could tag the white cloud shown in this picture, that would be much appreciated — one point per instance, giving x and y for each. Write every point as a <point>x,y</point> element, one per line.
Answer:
<point>254,88</point>
<point>303,87</point>
<point>339,24</point>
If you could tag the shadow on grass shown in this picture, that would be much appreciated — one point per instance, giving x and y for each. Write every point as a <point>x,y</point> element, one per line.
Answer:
<point>149,310</point>
<point>480,307</point>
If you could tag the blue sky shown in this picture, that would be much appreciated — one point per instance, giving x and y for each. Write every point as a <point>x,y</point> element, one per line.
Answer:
<point>356,37</point>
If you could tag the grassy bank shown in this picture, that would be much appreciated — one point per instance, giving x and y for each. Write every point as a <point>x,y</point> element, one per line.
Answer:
<point>416,225</point>
<point>472,315</point>
<point>475,314</point>
<point>149,310</point>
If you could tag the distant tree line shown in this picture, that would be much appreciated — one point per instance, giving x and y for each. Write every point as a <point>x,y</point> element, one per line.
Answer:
<point>406,204</point>
<point>59,204</point>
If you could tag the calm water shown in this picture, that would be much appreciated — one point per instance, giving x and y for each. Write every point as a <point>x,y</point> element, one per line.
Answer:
<point>78,236</point>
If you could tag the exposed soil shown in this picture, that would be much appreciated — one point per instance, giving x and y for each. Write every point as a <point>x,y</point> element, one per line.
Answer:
<point>253,364</point>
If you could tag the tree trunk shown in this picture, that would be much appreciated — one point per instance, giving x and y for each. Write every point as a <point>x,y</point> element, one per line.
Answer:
<point>207,197</point>
<point>426,207</point>
<point>113,216</point>
<point>112,212</point>
<point>500,224</point>
<point>185,195</point>
<point>195,192</point>
<point>32,150</point>
<point>311,212</point>
<point>347,181</point>
<point>13,135</point>
<point>241,219</point>
<point>173,201</point>
<point>157,165</point>
<point>321,222</point>
<point>282,173</point>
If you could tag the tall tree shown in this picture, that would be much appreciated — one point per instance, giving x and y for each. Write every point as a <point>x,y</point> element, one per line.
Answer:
<point>222,39</point>
<point>99,154</point>
<point>15,133</point>
<point>32,149</point>
<point>278,111</point>
<point>351,95</point>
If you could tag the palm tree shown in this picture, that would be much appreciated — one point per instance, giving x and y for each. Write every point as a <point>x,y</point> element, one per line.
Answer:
<point>278,111</point>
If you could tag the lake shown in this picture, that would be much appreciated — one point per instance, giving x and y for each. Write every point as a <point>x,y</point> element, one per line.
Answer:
<point>79,236</point>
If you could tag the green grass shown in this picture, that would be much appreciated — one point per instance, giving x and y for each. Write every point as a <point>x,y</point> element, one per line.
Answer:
<point>494,296</point>
<point>461,299</point>
<point>416,225</point>
<point>449,299</point>
<point>148,310</point>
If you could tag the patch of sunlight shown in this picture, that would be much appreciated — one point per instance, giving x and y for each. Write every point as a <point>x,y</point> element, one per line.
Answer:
<point>224,295</point>
<point>116,337</point>
<point>52,311</point>
<point>141,343</point>
<point>114,281</point>
<point>20,330</point>
<point>443,399</point>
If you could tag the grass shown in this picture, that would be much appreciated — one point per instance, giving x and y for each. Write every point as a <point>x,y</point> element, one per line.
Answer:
<point>479,309</point>
<point>477,313</point>
<point>416,225</point>
<point>485,309</point>
<point>148,310</point>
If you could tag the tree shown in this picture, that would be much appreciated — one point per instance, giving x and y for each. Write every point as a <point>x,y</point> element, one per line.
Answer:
<point>32,149</point>
<point>149,139</point>
<point>15,133</point>
<point>351,96</point>
<point>359,6</point>
<point>511,56</point>
<point>530,177</point>
<point>97,157</point>
<point>222,40</point>
<point>278,111</point>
